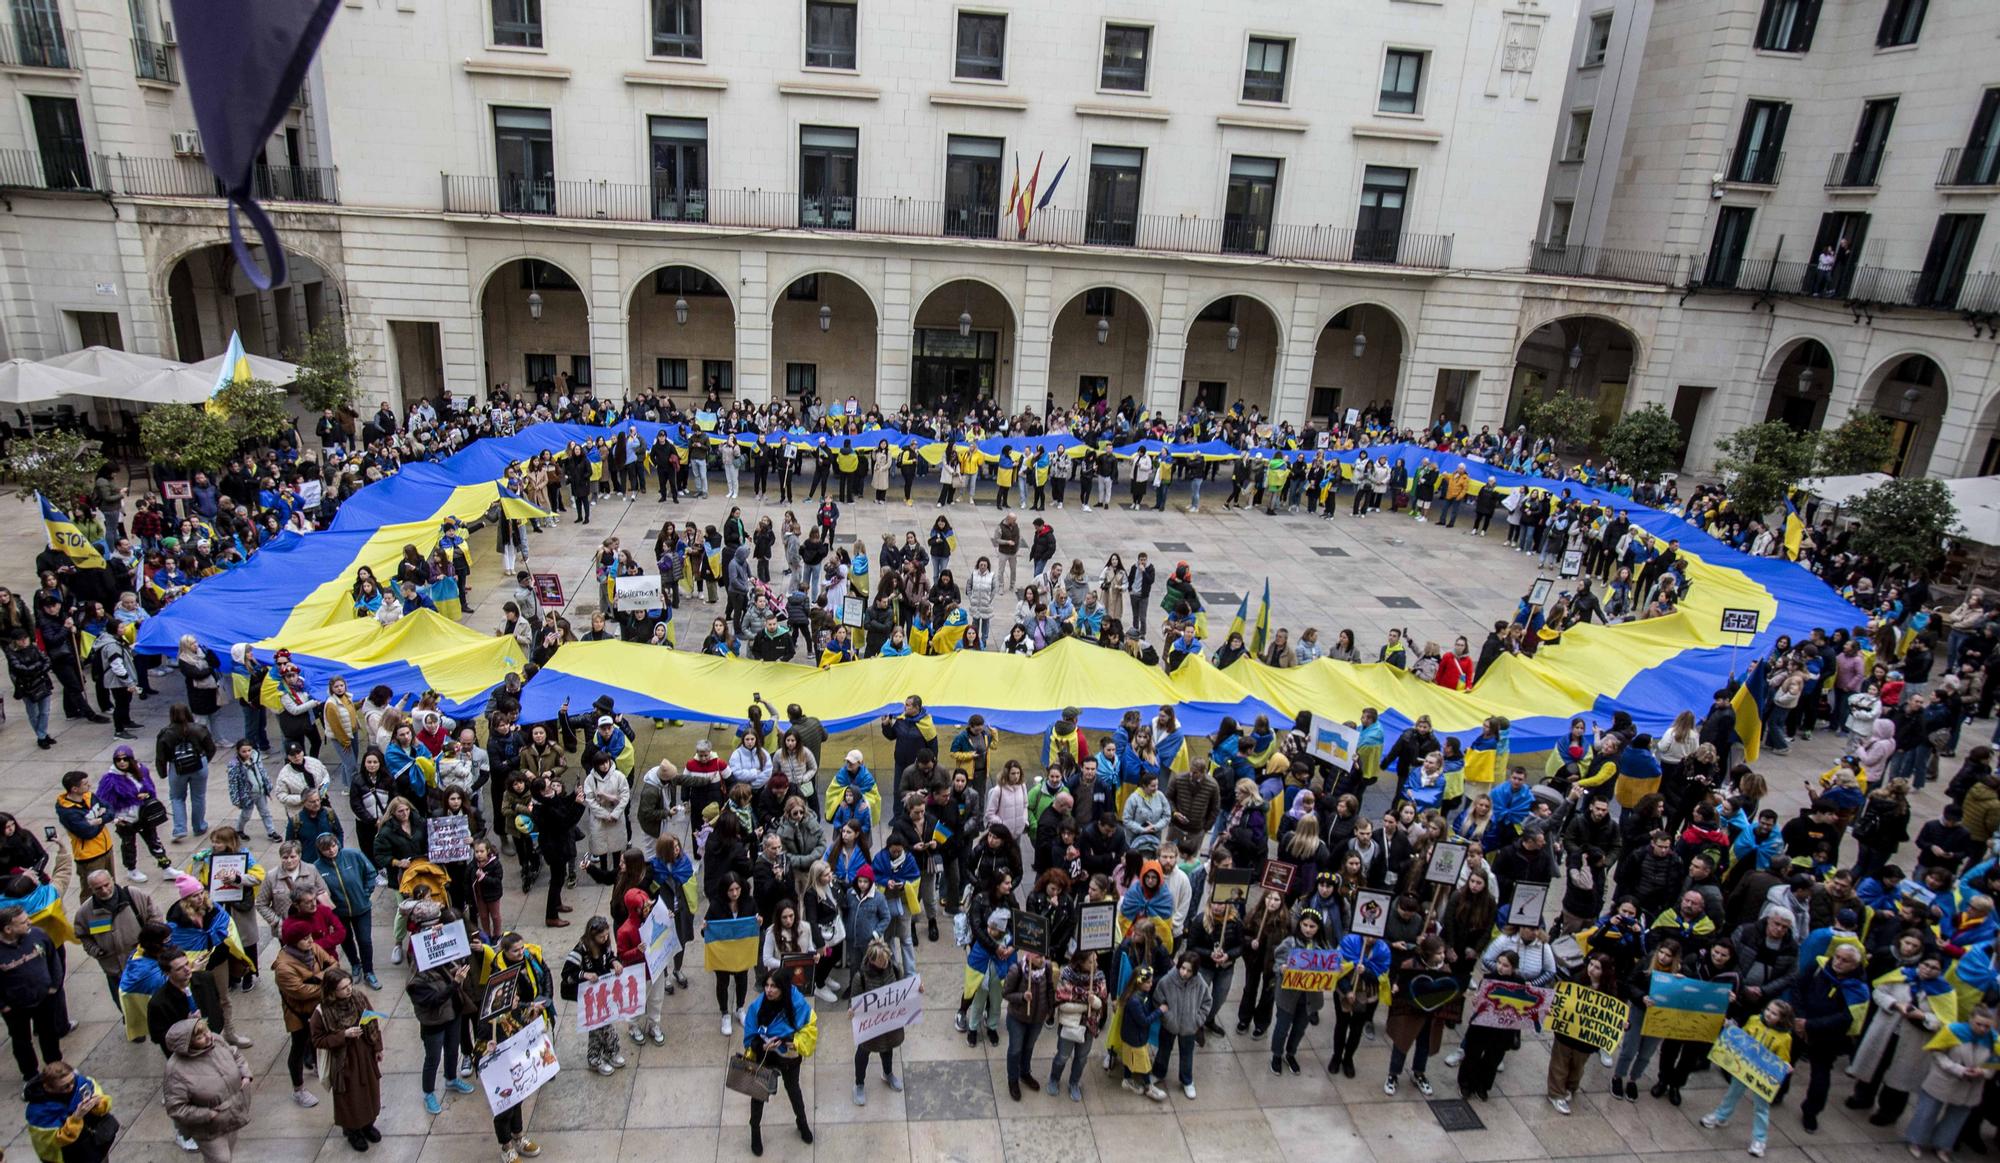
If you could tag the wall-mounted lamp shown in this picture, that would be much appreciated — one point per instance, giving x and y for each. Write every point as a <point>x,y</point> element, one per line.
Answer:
<point>1360,343</point>
<point>681,311</point>
<point>825,318</point>
<point>1233,336</point>
<point>1103,330</point>
<point>964,324</point>
<point>534,304</point>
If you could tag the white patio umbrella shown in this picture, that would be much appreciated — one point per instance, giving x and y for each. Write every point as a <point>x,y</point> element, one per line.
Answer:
<point>192,384</point>
<point>110,364</point>
<point>24,381</point>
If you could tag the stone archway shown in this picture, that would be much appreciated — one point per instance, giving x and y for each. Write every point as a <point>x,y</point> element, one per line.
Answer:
<point>1800,383</point>
<point>536,323</point>
<point>1234,345</point>
<point>1358,365</point>
<point>962,349</point>
<point>824,333</point>
<point>1911,391</point>
<point>1591,355</point>
<point>1100,348</point>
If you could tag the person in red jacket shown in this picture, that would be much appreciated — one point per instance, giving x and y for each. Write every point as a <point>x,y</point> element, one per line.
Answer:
<point>631,945</point>
<point>1455,669</point>
<point>701,778</point>
<point>328,931</point>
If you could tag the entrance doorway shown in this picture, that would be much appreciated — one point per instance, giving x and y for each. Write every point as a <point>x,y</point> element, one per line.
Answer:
<point>953,372</point>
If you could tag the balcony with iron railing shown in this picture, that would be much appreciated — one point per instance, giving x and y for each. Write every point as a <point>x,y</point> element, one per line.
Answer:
<point>153,60</point>
<point>918,218</point>
<point>1596,262</point>
<point>1859,169</point>
<point>1757,167</point>
<point>58,168</point>
<point>33,41</point>
<point>1981,294</point>
<point>1969,170</point>
<point>187,177</point>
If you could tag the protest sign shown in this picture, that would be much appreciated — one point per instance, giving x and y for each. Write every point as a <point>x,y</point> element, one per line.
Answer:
<point>1588,1015</point>
<point>548,590</point>
<point>1333,743</point>
<point>1446,859</point>
<point>1031,932</point>
<point>1531,900</point>
<point>1232,885</point>
<point>1097,927</point>
<point>895,1006</point>
<point>1684,1008</point>
<point>1311,969</point>
<point>1371,912</point>
<point>1742,1057</point>
<point>178,490</point>
<point>439,945</point>
<point>1572,562</point>
<point>226,873</point>
<point>853,611</point>
<point>621,996</point>
<point>518,1067</point>
<point>661,938</point>
<point>1510,1005</point>
<point>450,838</point>
<point>1278,876</point>
<point>503,988</point>
<point>636,594</point>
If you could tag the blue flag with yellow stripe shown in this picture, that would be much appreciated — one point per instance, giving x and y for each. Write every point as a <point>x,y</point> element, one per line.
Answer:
<point>64,535</point>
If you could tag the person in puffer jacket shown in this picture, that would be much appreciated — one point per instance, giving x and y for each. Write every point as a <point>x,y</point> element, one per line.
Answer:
<point>206,1091</point>
<point>1184,997</point>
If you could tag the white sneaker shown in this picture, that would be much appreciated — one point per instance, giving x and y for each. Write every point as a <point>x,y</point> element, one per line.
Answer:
<point>1155,1093</point>
<point>1188,1090</point>
<point>602,1068</point>
<point>396,954</point>
<point>826,995</point>
<point>1455,1057</point>
<point>185,1143</point>
<point>1561,1105</point>
<point>1130,1085</point>
<point>1757,1148</point>
<point>305,1098</point>
<point>728,1025</point>
<point>1604,1059</point>
<point>137,877</point>
<point>1710,1122</point>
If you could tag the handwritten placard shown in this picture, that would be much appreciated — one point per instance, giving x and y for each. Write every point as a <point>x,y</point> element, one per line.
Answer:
<point>439,945</point>
<point>1590,1016</point>
<point>893,1007</point>
<point>1311,970</point>
<point>518,1067</point>
<point>450,838</point>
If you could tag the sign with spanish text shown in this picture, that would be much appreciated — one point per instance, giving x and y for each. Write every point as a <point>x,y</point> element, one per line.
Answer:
<point>1591,1016</point>
<point>1745,1059</point>
<point>1311,970</point>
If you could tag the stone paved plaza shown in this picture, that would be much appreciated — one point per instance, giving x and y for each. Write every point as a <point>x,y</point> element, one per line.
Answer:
<point>670,1104</point>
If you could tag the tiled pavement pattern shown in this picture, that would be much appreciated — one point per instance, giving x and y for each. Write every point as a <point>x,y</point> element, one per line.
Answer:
<point>670,1103</point>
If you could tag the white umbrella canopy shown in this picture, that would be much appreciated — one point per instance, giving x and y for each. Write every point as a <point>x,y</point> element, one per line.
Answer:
<point>24,381</point>
<point>1840,490</point>
<point>110,364</point>
<point>1978,501</point>
<point>192,384</point>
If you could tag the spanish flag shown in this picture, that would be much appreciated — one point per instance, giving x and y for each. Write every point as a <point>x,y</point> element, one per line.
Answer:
<point>235,370</point>
<point>729,944</point>
<point>1795,530</point>
<point>64,535</point>
<point>1748,703</point>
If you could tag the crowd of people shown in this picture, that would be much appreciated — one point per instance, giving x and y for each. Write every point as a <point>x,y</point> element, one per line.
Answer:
<point>1847,943</point>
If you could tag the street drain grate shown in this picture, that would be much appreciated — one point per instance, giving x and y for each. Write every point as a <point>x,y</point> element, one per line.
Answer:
<point>1456,1114</point>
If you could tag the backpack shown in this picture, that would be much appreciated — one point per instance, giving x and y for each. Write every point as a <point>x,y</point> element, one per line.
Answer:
<point>186,756</point>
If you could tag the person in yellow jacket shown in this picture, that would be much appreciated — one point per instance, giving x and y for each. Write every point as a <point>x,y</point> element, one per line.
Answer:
<point>1456,486</point>
<point>1773,1031</point>
<point>88,824</point>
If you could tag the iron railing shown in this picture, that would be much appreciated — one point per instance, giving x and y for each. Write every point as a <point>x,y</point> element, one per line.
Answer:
<point>1855,169</point>
<point>54,168</point>
<point>154,61</point>
<point>33,40</point>
<point>177,177</point>
<point>1758,167</point>
<point>1962,168</point>
<point>1596,262</point>
<point>919,218</point>
<point>1981,294</point>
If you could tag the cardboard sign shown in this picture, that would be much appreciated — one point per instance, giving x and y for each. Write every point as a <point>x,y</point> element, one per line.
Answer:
<point>1538,594</point>
<point>503,989</point>
<point>853,611</point>
<point>1371,912</point>
<point>1531,901</point>
<point>621,996</point>
<point>518,1067</point>
<point>1685,1008</point>
<point>1572,562</point>
<point>548,590</point>
<point>226,874</point>
<point>1314,970</point>
<point>1031,932</point>
<point>450,838</point>
<point>636,594</point>
<point>1736,621</point>
<point>1742,1057</point>
<point>1590,1016</point>
<point>662,939</point>
<point>439,945</point>
<point>893,1007</point>
<point>1334,743</point>
<point>1446,861</point>
<point>1097,927</point>
<point>1510,1005</point>
<point>1278,877</point>
<point>177,490</point>
<point>1232,885</point>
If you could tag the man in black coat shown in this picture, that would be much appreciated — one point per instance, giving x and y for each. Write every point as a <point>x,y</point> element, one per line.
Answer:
<point>187,994</point>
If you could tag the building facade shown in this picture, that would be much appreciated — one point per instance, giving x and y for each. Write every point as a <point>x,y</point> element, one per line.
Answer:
<point>1812,181</point>
<point>1306,210</point>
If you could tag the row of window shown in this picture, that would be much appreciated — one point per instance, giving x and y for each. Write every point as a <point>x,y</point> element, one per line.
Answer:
<point>832,39</point>
<point>1760,144</point>
<point>1787,25</point>
<point>829,168</point>
<point>1835,257</point>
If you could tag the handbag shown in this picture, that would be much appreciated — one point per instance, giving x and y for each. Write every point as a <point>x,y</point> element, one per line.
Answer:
<point>751,1078</point>
<point>152,813</point>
